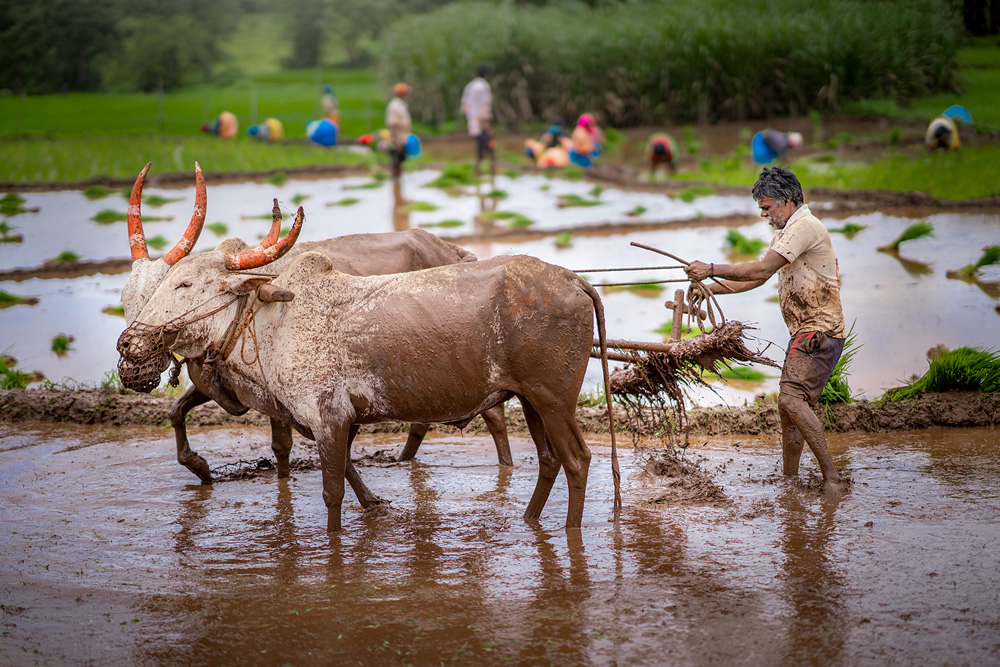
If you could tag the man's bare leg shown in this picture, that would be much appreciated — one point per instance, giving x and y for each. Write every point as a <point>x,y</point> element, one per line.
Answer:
<point>796,411</point>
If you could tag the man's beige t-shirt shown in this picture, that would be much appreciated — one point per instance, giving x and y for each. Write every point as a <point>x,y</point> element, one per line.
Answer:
<point>809,285</point>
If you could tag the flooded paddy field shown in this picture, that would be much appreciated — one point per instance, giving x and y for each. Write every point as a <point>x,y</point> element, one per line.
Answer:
<point>902,304</point>
<point>112,555</point>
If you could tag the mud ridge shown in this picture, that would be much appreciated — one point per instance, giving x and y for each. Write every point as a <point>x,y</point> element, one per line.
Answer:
<point>932,410</point>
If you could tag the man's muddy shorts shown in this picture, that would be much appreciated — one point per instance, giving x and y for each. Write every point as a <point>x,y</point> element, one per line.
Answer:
<point>484,145</point>
<point>809,363</point>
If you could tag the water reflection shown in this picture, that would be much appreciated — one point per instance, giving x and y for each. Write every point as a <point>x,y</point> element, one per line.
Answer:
<point>817,625</point>
<point>911,266</point>
<point>400,210</point>
<point>194,509</point>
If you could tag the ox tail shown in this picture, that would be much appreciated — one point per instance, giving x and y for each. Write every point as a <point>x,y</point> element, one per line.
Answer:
<point>602,337</point>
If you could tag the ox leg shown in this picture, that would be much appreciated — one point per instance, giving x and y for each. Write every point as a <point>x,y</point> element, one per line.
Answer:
<point>497,425</point>
<point>361,490</point>
<point>567,438</point>
<point>334,454</point>
<point>281,445</point>
<point>191,460</point>
<point>548,462</point>
<point>413,440</point>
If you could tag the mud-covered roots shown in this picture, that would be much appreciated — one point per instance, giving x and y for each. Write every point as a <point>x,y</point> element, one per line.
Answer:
<point>684,481</point>
<point>655,380</point>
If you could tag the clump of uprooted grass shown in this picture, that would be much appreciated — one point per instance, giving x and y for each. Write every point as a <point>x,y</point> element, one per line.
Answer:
<point>991,256</point>
<point>738,244</point>
<point>962,369</point>
<point>836,389</point>
<point>917,230</point>
<point>655,379</point>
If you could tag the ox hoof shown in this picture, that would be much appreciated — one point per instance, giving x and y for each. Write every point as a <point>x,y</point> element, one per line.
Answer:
<point>378,508</point>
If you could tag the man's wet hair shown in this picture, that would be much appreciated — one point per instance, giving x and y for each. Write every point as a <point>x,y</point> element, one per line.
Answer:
<point>483,70</point>
<point>779,184</point>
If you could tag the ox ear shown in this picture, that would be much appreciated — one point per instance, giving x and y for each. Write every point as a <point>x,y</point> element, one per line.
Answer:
<point>273,293</point>
<point>242,284</point>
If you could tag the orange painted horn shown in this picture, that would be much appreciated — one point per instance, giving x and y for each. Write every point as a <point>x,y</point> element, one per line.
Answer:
<point>191,234</point>
<point>257,257</point>
<point>136,237</point>
<point>272,235</point>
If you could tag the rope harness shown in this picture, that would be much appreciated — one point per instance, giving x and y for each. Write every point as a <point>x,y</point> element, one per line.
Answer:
<point>144,349</point>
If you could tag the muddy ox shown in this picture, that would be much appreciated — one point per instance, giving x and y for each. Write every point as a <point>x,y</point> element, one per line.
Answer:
<point>323,350</point>
<point>358,254</point>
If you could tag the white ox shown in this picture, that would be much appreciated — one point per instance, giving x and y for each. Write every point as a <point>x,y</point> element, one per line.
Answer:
<point>358,254</point>
<point>439,345</point>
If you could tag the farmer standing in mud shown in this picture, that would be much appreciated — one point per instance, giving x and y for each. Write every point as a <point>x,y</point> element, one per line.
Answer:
<point>476,105</point>
<point>809,291</point>
<point>397,119</point>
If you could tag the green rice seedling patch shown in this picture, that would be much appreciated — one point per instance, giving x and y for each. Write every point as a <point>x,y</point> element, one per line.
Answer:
<point>93,192</point>
<point>109,216</point>
<point>420,206</point>
<point>962,369</point>
<point>646,291</point>
<point>117,311</point>
<point>563,240</point>
<point>365,186</point>
<point>278,178</point>
<point>573,173</point>
<point>637,211</point>
<point>691,193</point>
<point>455,174</point>
<point>264,216</point>
<point>65,256</point>
<point>445,224</point>
<point>12,378</point>
<point>497,194</point>
<point>157,200</point>
<point>917,230</point>
<point>990,257</point>
<point>520,221</point>
<point>284,231</point>
<point>7,300</point>
<point>739,244</point>
<point>744,373</point>
<point>566,201</point>
<point>544,187</point>
<point>158,242</point>
<point>850,229</point>
<point>61,343</point>
<point>298,198</point>
<point>346,201</point>
<point>13,204</point>
<point>511,173</point>
<point>596,191</point>
<point>687,331</point>
<point>5,233</point>
<point>837,389</point>
<point>218,228</point>
<point>489,217</point>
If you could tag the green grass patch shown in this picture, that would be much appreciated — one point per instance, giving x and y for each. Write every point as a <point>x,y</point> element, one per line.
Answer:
<point>497,194</point>
<point>567,201</point>
<point>563,240</point>
<point>572,173</point>
<point>745,373</point>
<point>12,378</point>
<point>109,216</point>
<point>13,204</point>
<point>596,191</point>
<point>520,221</point>
<point>511,173</point>
<point>917,230</point>
<point>346,201</point>
<point>444,224</point>
<point>962,369</point>
<point>218,228</point>
<point>365,186</point>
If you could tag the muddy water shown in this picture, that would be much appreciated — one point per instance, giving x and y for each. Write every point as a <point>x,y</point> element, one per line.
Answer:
<point>111,554</point>
<point>903,305</point>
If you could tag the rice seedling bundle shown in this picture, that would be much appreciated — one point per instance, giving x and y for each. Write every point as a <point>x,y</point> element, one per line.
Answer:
<point>962,369</point>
